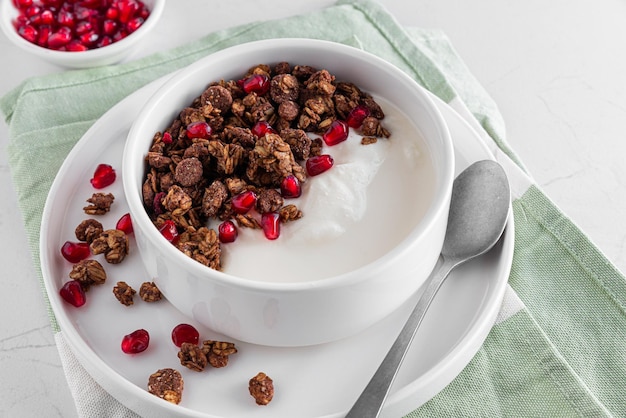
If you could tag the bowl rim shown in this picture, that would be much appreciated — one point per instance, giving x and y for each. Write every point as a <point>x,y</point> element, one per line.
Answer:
<point>8,12</point>
<point>438,208</point>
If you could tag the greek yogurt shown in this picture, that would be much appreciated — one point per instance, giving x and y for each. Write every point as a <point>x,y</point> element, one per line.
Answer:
<point>354,213</point>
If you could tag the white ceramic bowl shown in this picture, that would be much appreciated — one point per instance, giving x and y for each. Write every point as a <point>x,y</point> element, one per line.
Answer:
<point>110,54</point>
<point>292,314</point>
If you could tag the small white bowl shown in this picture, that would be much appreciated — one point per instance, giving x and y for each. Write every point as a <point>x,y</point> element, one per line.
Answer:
<point>304,313</point>
<point>107,55</point>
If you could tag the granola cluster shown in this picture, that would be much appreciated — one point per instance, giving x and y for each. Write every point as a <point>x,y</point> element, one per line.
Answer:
<point>231,139</point>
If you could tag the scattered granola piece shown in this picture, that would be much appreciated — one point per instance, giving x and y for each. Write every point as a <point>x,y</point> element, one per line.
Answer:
<point>124,293</point>
<point>100,204</point>
<point>88,272</point>
<point>261,388</point>
<point>367,140</point>
<point>113,243</point>
<point>217,352</point>
<point>149,292</point>
<point>192,357</point>
<point>167,384</point>
<point>88,230</point>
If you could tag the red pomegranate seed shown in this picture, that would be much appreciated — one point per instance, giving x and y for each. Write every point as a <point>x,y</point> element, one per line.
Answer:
<point>134,24</point>
<point>337,132</point>
<point>257,83</point>
<point>65,18</point>
<point>29,33</point>
<point>75,251</point>
<point>199,130</point>
<point>261,128</point>
<point>44,33</point>
<point>357,115</point>
<point>119,35</point>
<point>47,17</point>
<point>184,333</point>
<point>136,341</point>
<point>23,4</point>
<point>83,27</point>
<point>169,231</point>
<point>103,176</point>
<point>73,293</point>
<point>127,9</point>
<point>227,232</point>
<point>157,205</point>
<point>290,187</point>
<point>167,138</point>
<point>270,222</point>
<point>60,38</point>
<point>112,13</point>
<point>318,164</point>
<point>89,38</point>
<point>33,11</point>
<point>75,46</point>
<point>243,202</point>
<point>104,41</point>
<point>125,224</point>
<point>109,26</point>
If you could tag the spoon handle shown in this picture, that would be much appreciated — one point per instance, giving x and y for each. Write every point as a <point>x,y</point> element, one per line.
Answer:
<point>371,401</point>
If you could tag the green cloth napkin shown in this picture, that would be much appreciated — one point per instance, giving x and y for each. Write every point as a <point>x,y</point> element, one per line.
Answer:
<point>557,348</point>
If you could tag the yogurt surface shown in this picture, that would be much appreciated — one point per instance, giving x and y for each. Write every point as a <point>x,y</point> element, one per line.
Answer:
<point>354,213</point>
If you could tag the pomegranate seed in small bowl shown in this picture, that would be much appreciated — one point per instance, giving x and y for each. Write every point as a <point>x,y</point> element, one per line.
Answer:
<point>81,34</point>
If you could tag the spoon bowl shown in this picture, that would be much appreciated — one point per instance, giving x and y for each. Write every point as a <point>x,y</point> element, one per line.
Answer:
<point>479,210</point>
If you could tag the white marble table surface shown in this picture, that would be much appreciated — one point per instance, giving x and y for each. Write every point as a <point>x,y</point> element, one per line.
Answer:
<point>556,69</point>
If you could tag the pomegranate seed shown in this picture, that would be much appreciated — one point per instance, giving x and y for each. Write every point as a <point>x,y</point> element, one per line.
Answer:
<point>103,176</point>
<point>44,33</point>
<point>127,9</point>
<point>75,46</point>
<point>357,115</point>
<point>318,164</point>
<point>29,33</point>
<point>47,17</point>
<point>243,202</point>
<point>261,128</point>
<point>65,18</point>
<point>23,4</point>
<point>119,35</point>
<point>75,251</point>
<point>167,138</point>
<point>290,187</point>
<point>270,222</point>
<point>125,224</point>
<point>199,130</point>
<point>73,293</point>
<point>169,231</point>
<point>104,41</point>
<point>227,232</point>
<point>84,13</point>
<point>60,38</point>
<point>136,341</point>
<point>33,11</point>
<point>337,132</point>
<point>83,27</point>
<point>109,26</point>
<point>134,24</point>
<point>89,38</point>
<point>52,3</point>
<point>157,206</point>
<point>184,333</point>
<point>257,83</point>
<point>112,13</point>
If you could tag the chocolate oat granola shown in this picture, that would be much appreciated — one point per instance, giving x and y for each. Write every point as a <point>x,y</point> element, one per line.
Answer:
<point>246,135</point>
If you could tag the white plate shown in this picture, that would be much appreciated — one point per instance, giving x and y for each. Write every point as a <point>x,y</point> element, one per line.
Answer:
<point>317,381</point>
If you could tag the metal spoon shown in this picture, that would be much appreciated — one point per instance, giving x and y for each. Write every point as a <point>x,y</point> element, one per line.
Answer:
<point>479,209</point>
